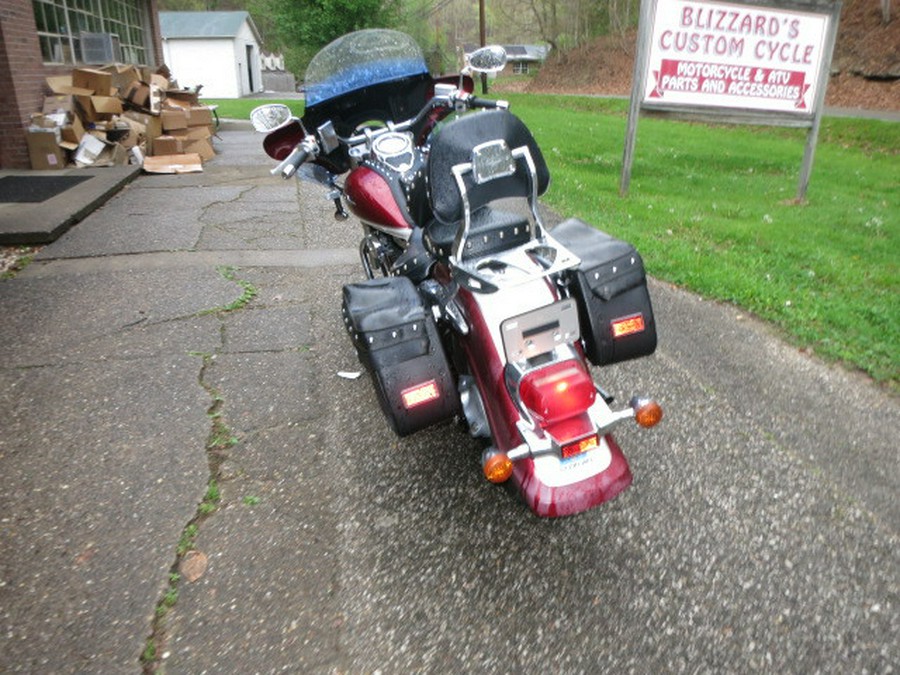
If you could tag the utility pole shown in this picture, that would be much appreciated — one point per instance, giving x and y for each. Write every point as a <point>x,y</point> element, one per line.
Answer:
<point>483,36</point>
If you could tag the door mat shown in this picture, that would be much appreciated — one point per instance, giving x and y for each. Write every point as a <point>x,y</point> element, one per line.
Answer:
<point>35,189</point>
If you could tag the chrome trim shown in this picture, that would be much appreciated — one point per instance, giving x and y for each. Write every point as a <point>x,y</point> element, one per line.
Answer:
<point>514,266</point>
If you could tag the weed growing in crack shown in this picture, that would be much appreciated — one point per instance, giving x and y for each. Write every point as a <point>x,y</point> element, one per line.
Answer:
<point>220,439</point>
<point>249,292</point>
<point>148,656</point>
<point>186,542</point>
<point>211,499</point>
<point>152,649</point>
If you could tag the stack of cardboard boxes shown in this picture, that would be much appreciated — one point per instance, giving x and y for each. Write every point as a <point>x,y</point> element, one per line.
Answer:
<point>116,114</point>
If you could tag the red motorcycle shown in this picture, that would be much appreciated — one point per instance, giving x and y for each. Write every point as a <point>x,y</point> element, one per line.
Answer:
<point>471,309</point>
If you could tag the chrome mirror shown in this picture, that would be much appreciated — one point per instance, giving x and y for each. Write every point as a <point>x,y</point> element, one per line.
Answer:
<point>490,59</point>
<point>270,116</point>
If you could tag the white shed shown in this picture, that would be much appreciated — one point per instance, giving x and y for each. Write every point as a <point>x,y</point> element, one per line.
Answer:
<point>219,50</point>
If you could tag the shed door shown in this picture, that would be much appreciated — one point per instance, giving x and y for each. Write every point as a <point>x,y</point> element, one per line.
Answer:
<point>250,67</point>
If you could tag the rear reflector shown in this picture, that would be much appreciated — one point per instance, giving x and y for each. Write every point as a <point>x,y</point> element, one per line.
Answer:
<point>420,394</point>
<point>628,325</point>
<point>576,448</point>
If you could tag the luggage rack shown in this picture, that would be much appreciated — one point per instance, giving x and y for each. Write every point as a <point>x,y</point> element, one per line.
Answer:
<point>514,266</point>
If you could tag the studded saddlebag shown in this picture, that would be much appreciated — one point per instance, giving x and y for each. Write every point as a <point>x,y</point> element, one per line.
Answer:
<point>611,288</point>
<point>396,339</point>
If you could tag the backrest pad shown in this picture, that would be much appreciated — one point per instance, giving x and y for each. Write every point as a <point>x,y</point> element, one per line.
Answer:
<point>452,144</point>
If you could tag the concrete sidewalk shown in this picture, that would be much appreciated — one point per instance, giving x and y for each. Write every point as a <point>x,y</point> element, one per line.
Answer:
<point>44,222</point>
<point>176,353</point>
<point>113,359</point>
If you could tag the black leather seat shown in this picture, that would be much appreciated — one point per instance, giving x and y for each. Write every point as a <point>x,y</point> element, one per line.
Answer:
<point>491,231</point>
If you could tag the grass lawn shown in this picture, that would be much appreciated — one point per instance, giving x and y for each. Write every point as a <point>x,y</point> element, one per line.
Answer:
<point>239,108</point>
<point>711,209</point>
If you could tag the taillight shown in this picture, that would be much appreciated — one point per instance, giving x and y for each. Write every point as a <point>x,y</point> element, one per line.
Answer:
<point>557,392</point>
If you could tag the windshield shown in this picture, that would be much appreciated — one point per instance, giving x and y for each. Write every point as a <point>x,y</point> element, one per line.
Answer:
<point>359,60</point>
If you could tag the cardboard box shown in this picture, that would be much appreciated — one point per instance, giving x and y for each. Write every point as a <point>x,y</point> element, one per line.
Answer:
<point>151,127</point>
<point>202,147</point>
<point>200,116</point>
<point>187,163</point>
<point>62,85</point>
<point>98,81</point>
<point>137,94</point>
<point>44,150</point>
<point>98,108</point>
<point>192,133</point>
<point>160,81</point>
<point>144,96</point>
<point>183,98</point>
<point>121,75</point>
<point>168,145</point>
<point>73,132</point>
<point>174,119</point>
<point>113,155</point>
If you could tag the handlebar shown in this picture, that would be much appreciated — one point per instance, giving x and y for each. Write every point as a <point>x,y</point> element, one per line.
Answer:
<point>475,102</point>
<point>454,99</point>
<point>308,148</point>
<point>289,165</point>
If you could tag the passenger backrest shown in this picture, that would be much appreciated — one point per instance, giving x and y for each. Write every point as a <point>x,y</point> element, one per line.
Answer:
<point>453,143</point>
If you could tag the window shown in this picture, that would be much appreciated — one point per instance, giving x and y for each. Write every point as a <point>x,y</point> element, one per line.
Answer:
<point>61,22</point>
<point>520,67</point>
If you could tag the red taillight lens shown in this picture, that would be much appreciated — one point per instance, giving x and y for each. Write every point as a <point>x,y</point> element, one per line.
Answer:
<point>557,392</point>
<point>420,394</point>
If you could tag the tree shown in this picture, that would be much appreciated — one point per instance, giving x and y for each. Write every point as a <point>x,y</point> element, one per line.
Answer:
<point>301,27</point>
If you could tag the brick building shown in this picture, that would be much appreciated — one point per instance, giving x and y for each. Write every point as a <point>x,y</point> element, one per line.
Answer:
<point>41,38</point>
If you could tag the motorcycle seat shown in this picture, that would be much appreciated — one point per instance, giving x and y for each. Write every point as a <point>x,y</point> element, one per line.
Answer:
<point>491,231</point>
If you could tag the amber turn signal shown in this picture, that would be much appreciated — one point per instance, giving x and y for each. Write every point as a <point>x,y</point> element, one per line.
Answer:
<point>647,412</point>
<point>498,467</point>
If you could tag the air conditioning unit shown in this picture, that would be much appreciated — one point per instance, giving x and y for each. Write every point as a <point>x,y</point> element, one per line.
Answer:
<point>100,48</point>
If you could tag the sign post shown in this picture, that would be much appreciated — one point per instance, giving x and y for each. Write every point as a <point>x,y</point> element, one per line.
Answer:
<point>753,62</point>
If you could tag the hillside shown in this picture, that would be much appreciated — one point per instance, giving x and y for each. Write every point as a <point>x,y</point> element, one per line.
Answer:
<point>866,64</point>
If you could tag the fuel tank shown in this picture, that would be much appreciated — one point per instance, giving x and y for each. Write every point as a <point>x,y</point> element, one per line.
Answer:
<point>373,200</point>
<point>387,191</point>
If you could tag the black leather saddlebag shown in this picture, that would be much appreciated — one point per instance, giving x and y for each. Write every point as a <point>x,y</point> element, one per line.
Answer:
<point>396,339</point>
<point>611,288</point>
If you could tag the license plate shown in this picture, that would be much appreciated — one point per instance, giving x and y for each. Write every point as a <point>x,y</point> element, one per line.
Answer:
<point>540,330</point>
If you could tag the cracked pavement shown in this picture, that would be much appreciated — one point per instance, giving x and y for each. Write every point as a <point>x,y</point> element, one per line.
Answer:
<point>761,532</point>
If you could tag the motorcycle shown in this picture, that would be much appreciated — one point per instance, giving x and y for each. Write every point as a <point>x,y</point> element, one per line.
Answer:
<point>471,309</point>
